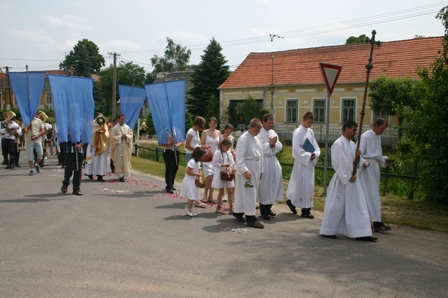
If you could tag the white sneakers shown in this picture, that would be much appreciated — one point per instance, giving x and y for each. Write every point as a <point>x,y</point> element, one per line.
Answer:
<point>189,213</point>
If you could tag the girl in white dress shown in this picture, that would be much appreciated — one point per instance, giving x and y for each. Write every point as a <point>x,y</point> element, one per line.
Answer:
<point>210,138</point>
<point>223,162</point>
<point>189,189</point>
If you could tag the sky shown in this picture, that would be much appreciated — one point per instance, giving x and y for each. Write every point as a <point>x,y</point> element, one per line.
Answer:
<point>41,33</point>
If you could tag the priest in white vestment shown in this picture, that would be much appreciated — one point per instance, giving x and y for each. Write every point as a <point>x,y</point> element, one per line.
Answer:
<point>96,163</point>
<point>345,210</point>
<point>372,152</point>
<point>300,192</point>
<point>271,189</point>
<point>121,148</point>
<point>249,169</point>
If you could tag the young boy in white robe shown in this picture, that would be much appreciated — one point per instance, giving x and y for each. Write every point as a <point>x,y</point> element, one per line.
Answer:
<point>345,210</point>
<point>189,189</point>
<point>300,192</point>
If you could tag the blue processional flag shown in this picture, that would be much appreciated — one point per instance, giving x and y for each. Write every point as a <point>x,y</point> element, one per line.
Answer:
<point>27,87</point>
<point>131,102</point>
<point>167,104</point>
<point>73,107</point>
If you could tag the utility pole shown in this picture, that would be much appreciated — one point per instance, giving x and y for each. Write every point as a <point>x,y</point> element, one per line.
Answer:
<point>114,87</point>
<point>8,88</point>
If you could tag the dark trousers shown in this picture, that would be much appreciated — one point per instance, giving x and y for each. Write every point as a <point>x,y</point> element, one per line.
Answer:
<point>70,169</point>
<point>8,151</point>
<point>61,154</point>
<point>16,153</point>
<point>171,165</point>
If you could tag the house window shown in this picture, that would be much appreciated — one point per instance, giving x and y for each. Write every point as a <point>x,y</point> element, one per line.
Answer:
<point>292,110</point>
<point>348,109</point>
<point>381,114</point>
<point>319,110</point>
<point>49,98</point>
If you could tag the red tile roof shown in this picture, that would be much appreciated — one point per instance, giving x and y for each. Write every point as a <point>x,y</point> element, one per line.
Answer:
<point>396,59</point>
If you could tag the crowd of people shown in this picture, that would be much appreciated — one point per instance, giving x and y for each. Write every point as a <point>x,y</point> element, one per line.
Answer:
<point>246,175</point>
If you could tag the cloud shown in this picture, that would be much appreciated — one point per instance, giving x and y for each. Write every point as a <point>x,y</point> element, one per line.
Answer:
<point>118,45</point>
<point>36,36</point>
<point>70,22</point>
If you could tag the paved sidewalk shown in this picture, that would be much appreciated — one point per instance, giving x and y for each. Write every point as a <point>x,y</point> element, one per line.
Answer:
<point>133,240</point>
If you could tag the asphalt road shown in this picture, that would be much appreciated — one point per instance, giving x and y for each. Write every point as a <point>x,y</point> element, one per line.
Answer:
<point>133,240</point>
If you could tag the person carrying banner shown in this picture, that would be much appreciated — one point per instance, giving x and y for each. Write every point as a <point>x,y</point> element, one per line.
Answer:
<point>74,158</point>
<point>171,157</point>
<point>98,149</point>
<point>33,137</point>
<point>121,148</point>
<point>305,150</point>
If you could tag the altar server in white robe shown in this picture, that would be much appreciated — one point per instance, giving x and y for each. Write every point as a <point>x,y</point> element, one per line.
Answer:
<point>271,189</point>
<point>97,151</point>
<point>372,152</point>
<point>300,192</point>
<point>345,210</point>
<point>121,148</point>
<point>249,169</point>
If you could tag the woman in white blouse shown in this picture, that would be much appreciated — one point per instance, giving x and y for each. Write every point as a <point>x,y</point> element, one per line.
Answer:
<point>210,138</point>
<point>192,139</point>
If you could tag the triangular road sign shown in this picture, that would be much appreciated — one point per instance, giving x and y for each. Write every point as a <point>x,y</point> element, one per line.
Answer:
<point>330,72</point>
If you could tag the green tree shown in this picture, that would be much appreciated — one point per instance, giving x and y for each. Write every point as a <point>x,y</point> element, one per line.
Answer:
<point>250,109</point>
<point>212,109</point>
<point>207,77</point>
<point>428,128</point>
<point>127,74</point>
<point>176,58</point>
<point>84,60</point>
<point>353,39</point>
<point>392,96</point>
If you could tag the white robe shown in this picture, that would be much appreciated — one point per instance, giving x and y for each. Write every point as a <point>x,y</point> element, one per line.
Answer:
<point>345,209</point>
<point>271,189</point>
<point>301,184</point>
<point>249,157</point>
<point>189,189</point>
<point>371,151</point>
<point>98,164</point>
<point>220,158</point>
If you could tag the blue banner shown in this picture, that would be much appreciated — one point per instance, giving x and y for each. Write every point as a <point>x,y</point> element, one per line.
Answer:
<point>73,107</point>
<point>167,104</point>
<point>131,102</point>
<point>27,87</point>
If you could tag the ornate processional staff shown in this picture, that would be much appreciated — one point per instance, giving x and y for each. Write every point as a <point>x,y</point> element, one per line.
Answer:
<point>369,67</point>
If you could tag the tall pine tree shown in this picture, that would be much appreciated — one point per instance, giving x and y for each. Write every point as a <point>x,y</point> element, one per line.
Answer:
<point>207,77</point>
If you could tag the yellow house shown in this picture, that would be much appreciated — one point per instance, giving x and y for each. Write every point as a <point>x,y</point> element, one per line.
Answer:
<point>290,83</point>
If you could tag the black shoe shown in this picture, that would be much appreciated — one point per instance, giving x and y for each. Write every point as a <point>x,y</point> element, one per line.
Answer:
<point>169,190</point>
<point>172,188</point>
<point>308,215</point>
<point>64,188</point>
<point>12,166</point>
<point>367,238</point>
<point>90,177</point>
<point>121,179</point>
<point>255,224</point>
<point>17,165</point>
<point>77,192</point>
<point>291,206</point>
<point>272,214</point>
<point>8,167</point>
<point>100,178</point>
<point>330,236</point>
<point>380,227</point>
<point>239,217</point>
<point>265,216</point>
